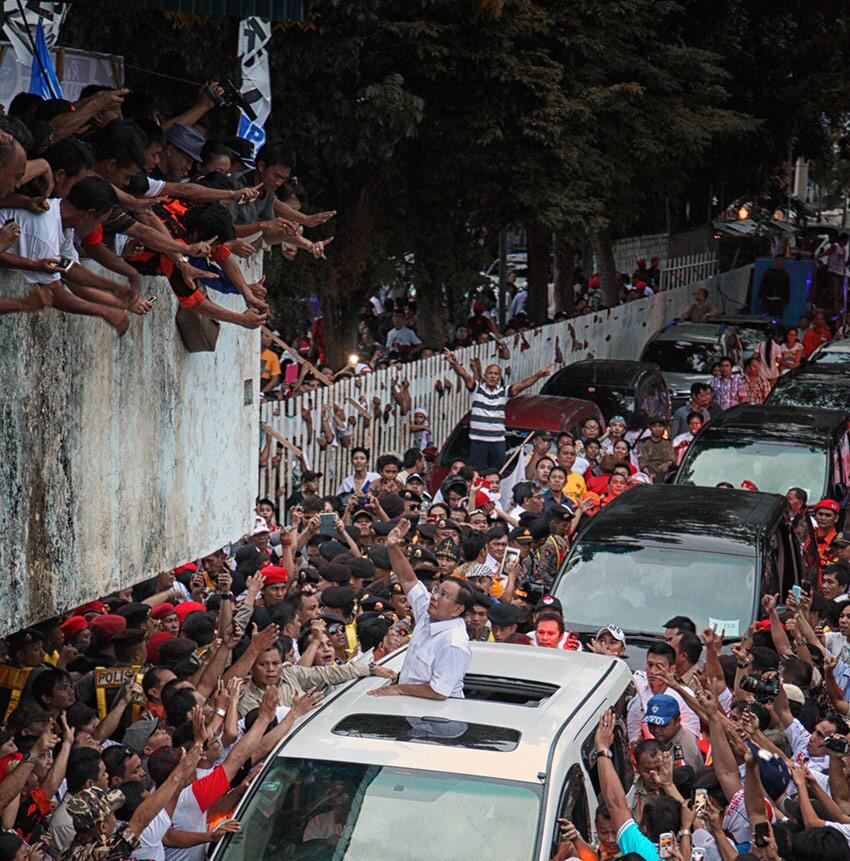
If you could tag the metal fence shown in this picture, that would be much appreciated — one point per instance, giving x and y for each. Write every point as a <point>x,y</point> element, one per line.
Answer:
<point>368,409</point>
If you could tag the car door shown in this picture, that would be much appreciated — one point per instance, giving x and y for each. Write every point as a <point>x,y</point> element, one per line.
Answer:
<point>573,805</point>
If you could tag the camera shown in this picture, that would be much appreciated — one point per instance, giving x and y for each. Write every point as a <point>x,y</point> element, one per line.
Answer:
<point>763,690</point>
<point>837,744</point>
<point>232,96</point>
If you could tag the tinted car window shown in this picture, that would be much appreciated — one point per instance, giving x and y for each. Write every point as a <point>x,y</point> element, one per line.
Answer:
<point>652,397</point>
<point>611,401</point>
<point>684,357</point>
<point>458,446</point>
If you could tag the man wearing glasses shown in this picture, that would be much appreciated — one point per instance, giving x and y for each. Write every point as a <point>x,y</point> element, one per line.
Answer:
<point>438,655</point>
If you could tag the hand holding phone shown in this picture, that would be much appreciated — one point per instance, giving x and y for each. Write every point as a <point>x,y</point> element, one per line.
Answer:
<point>327,525</point>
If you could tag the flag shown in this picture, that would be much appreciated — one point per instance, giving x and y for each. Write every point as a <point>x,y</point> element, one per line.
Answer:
<point>517,474</point>
<point>43,80</point>
<point>254,37</point>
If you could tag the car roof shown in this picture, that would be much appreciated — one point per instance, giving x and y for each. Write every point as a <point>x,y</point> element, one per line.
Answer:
<point>603,372</point>
<point>789,424</point>
<point>544,412</point>
<point>745,319</point>
<point>827,375</point>
<point>707,519</point>
<point>705,332</point>
<point>578,676</point>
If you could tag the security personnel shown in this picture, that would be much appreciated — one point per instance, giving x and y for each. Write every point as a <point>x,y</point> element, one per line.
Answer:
<point>26,652</point>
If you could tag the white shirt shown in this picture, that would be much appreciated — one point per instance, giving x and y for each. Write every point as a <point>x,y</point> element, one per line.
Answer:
<point>190,812</point>
<point>41,236</point>
<point>347,484</point>
<point>438,653</point>
<point>403,337</point>
<point>637,708</point>
<point>150,840</point>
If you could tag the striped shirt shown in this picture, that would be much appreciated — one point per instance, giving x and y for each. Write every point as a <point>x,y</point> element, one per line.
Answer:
<point>487,408</point>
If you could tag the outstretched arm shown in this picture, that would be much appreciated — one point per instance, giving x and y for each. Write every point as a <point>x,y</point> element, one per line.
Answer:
<point>522,385</point>
<point>467,378</point>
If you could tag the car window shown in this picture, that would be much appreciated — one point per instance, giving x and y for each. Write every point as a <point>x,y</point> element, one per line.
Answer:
<point>622,755</point>
<point>685,357</point>
<point>573,803</point>
<point>652,397</point>
<point>844,448</point>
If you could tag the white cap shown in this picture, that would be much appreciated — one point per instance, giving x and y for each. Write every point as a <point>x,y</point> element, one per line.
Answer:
<point>615,631</point>
<point>260,526</point>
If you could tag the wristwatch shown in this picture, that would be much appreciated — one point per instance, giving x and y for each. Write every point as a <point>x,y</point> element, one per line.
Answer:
<point>28,757</point>
<point>372,667</point>
<point>221,712</point>
<point>225,596</point>
<point>604,752</point>
<point>685,832</point>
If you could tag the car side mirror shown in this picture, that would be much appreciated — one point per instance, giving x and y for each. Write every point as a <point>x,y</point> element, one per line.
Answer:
<point>670,477</point>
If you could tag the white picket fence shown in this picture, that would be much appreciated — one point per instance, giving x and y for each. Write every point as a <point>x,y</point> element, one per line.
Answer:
<point>680,271</point>
<point>618,333</point>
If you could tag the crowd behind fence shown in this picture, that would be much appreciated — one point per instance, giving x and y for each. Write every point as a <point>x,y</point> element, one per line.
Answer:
<point>374,418</point>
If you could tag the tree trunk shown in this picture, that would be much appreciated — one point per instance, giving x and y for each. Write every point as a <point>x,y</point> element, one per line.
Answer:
<point>565,265</point>
<point>342,293</point>
<point>539,259</point>
<point>605,264</point>
<point>430,301</point>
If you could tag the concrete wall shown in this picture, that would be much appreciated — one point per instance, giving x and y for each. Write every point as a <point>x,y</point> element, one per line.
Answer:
<point>119,458</point>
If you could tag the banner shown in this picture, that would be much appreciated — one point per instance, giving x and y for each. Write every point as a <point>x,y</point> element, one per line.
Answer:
<point>20,24</point>
<point>254,37</point>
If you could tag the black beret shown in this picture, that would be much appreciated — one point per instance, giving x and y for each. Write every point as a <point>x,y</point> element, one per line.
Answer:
<point>384,527</point>
<point>503,615</point>
<point>135,614</point>
<point>361,567</point>
<point>338,597</point>
<point>128,638</point>
<point>379,557</point>
<point>392,504</point>
<point>329,549</point>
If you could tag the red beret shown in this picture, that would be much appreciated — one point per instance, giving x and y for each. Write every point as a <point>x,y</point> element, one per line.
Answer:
<point>189,566</point>
<point>91,607</point>
<point>830,505</point>
<point>185,607</point>
<point>593,281</point>
<point>162,610</point>
<point>73,626</point>
<point>156,640</point>
<point>274,574</point>
<point>641,261</point>
<point>640,285</point>
<point>104,627</point>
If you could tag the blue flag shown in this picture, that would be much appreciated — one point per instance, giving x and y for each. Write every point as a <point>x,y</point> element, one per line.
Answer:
<point>43,80</point>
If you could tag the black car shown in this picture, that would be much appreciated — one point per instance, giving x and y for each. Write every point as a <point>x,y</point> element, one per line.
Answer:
<point>661,551</point>
<point>775,447</point>
<point>619,387</point>
<point>822,387</point>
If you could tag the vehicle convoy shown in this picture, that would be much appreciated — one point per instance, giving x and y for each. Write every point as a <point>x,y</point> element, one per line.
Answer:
<point>660,551</point>
<point>523,414</point>
<point>686,352</point>
<point>619,387</point>
<point>775,447</point>
<point>823,387</point>
<point>486,776</point>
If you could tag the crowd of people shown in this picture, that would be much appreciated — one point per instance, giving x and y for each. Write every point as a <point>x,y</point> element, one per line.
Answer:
<point>111,179</point>
<point>134,724</point>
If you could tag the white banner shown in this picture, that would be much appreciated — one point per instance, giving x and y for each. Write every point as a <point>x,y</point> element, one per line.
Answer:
<point>20,28</point>
<point>254,37</point>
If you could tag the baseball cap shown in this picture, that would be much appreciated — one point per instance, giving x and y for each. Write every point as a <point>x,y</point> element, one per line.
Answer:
<point>503,615</point>
<point>261,527</point>
<point>619,419</point>
<point>614,630</point>
<point>829,505</point>
<point>88,806</point>
<point>547,602</point>
<point>841,540</point>
<point>794,694</point>
<point>186,139</point>
<point>773,771</point>
<point>661,709</point>
<point>137,734</point>
<point>309,475</point>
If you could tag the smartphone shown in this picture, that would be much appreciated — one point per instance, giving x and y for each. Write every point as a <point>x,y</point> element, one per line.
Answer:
<point>327,525</point>
<point>65,263</point>
<point>665,844</point>
<point>761,834</point>
<point>700,802</point>
<point>797,592</point>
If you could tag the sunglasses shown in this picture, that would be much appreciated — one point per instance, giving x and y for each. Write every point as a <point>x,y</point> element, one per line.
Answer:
<point>336,628</point>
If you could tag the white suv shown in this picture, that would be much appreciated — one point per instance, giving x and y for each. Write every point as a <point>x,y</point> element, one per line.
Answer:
<point>372,778</point>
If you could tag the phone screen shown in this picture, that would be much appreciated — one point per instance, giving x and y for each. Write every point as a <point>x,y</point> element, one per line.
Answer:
<point>327,524</point>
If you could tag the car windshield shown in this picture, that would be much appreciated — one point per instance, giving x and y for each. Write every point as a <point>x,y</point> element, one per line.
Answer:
<point>611,401</point>
<point>342,811</point>
<point>819,395</point>
<point>750,336</point>
<point>831,357</point>
<point>640,588</point>
<point>682,357</point>
<point>772,466</point>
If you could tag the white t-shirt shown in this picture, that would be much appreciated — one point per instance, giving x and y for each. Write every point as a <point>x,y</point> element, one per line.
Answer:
<point>150,840</point>
<point>155,187</point>
<point>190,813</point>
<point>403,337</point>
<point>41,236</point>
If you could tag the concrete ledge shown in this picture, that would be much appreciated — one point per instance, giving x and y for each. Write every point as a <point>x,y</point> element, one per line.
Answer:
<point>119,458</point>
